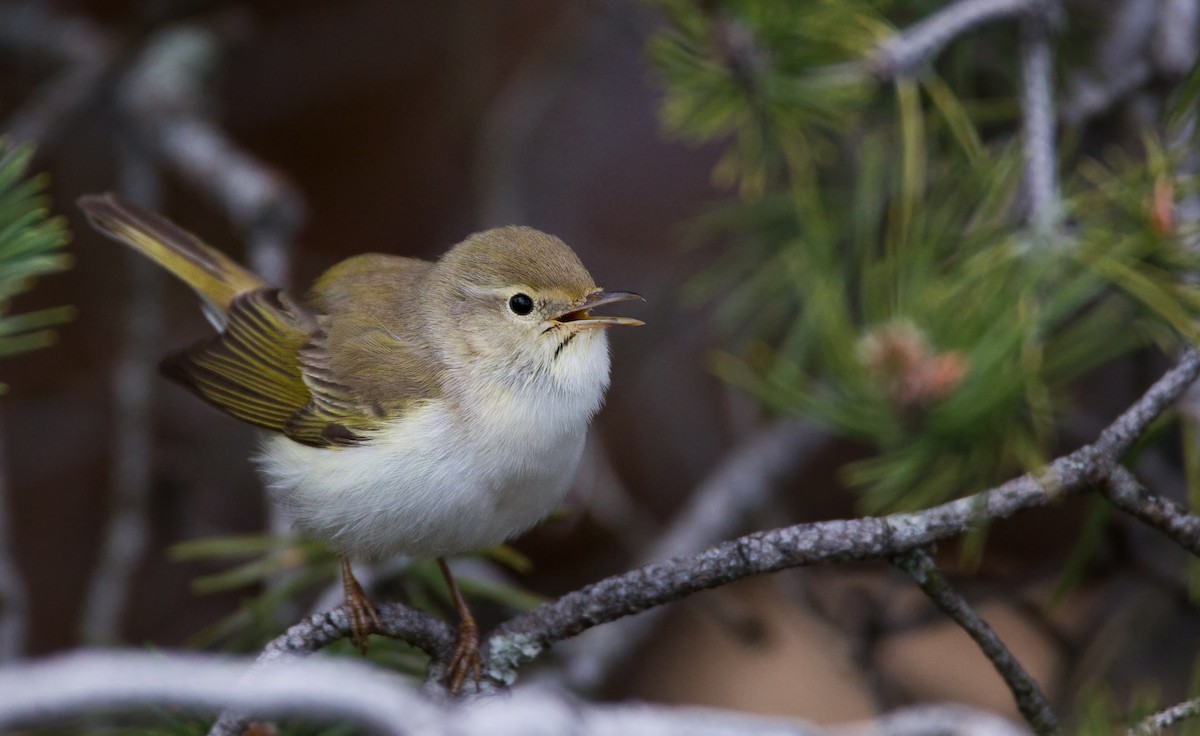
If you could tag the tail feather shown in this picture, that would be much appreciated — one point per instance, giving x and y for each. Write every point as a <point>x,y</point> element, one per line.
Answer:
<point>211,274</point>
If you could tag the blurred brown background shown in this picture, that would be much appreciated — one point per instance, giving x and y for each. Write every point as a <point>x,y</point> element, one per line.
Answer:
<point>406,126</point>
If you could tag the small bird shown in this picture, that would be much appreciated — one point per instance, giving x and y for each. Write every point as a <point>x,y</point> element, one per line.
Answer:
<point>413,407</point>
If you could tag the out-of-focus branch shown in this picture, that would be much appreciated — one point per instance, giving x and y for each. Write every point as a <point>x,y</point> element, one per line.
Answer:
<point>168,102</point>
<point>1164,719</point>
<point>905,52</point>
<point>1037,123</point>
<point>14,596</point>
<point>415,627</point>
<point>1028,696</point>
<point>1089,97</point>
<point>1176,37</point>
<point>354,693</point>
<point>84,52</point>
<point>126,530</point>
<point>110,682</point>
<point>719,507</point>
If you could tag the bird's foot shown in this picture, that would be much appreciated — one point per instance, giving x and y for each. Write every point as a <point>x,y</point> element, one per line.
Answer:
<point>364,620</point>
<point>465,660</point>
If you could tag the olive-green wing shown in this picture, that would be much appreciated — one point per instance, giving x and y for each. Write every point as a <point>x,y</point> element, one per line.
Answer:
<point>260,369</point>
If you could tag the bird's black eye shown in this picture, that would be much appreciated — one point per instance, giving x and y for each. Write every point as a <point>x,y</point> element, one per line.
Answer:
<point>520,304</point>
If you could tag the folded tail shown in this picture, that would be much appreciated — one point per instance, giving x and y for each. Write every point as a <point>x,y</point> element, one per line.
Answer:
<point>211,274</point>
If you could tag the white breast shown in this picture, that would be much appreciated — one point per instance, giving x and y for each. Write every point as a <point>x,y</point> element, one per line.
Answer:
<point>439,482</point>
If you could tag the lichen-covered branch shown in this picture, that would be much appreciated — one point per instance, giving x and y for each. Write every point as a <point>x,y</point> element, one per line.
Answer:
<point>1164,719</point>
<point>1028,696</point>
<point>1126,493</point>
<point>519,640</point>
<point>522,639</point>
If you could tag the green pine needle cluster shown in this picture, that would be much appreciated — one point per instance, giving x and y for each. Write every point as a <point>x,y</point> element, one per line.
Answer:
<point>31,245</point>
<point>877,270</point>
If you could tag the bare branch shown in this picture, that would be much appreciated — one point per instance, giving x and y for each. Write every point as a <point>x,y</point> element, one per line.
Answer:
<point>719,507</point>
<point>354,693</point>
<point>167,98</point>
<point>1164,719</point>
<point>126,529</point>
<point>110,682</point>
<point>1126,493</point>
<point>1090,97</point>
<point>905,52</point>
<point>1118,437</point>
<point>523,638</point>
<point>84,52</point>
<point>1028,696</point>
<point>1176,36</point>
<point>1037,123</point>
<point>415,627</point>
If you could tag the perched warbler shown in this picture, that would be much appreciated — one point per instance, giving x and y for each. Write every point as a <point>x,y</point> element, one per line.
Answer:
<point>415,407</point>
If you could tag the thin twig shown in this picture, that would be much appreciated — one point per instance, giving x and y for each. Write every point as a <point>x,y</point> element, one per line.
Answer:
<point>1026,693</point>
<point>1169,517</point>
<point>905,52</point>
<point>719,507</point>
<point>82,49</point>
<point>1037,123</point>
<point>168,99</point>
<point>1164,719</point>
<point>127,531</point>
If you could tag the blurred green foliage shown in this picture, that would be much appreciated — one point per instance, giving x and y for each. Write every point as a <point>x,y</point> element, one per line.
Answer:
<point>31,245</point>
<point>876,273</point>
<point>277,570</point>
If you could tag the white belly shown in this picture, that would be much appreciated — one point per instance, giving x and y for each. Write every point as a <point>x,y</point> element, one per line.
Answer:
<point>426,485</point>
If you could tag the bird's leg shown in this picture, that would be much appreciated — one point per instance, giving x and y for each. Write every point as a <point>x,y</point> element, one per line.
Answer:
<point>363,618</point>
<point>465,660</point>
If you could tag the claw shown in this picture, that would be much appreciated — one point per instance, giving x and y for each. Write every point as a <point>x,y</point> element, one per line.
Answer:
<point>465,661</point>
<point>364,620</point>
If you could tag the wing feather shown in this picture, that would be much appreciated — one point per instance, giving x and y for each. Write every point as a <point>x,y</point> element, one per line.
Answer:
<point>269,368</point>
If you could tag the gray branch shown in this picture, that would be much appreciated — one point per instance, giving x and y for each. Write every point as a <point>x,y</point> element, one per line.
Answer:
<point>167,98</point>
<point>1164,719</point>
<point>1169,517</point>
<point>519,640</point>
<point>127,527</point>
<point>415,627</point>
<point>1037,123</point>
<point>719,507</point>
<point>906,52</point>
<point>83,52</point>
<point>522,639</point>
<point>354,693</point>
<point>1028,696</point>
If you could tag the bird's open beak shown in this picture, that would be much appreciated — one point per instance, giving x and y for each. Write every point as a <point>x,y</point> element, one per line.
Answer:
<point>581,316</point>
